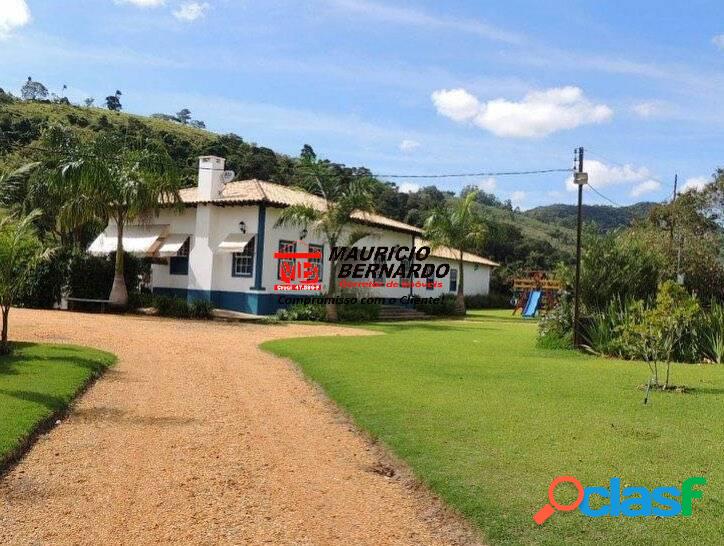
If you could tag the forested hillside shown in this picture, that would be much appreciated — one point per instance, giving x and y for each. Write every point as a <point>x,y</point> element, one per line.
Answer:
<point>605,217</point>
<point>516,239</point>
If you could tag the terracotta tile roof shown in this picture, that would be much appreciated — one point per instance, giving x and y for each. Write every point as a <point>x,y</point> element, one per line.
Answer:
<point>243,192</point>
<point>448,253</point>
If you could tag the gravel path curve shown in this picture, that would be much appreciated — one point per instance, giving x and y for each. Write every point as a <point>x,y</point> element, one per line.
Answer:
<point>199,437</point>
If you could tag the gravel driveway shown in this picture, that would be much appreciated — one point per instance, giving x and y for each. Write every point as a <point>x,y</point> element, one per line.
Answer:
<point>199,437</point>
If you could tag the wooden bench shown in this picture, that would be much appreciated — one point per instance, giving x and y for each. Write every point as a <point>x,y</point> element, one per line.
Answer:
<point>74,303</point>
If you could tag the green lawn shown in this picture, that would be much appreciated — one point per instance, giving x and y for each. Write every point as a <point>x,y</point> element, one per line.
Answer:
<point>487,419</point>
<point>38,380</point>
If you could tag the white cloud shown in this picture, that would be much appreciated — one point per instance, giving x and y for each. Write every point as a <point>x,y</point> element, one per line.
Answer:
<point>456,104</point>
<point>649,109</point>
<point>646,186</point>
<point>601,175</point>
<point>408,187</point>
<point>488,184</point>
<point>408,145</point>
<point>13,14</point>
<point>142,3</point>
<point>190,11</point>
<point>517,198</point>
<point>540,113</point>
<point>718,41</point>
<point>695,183</point>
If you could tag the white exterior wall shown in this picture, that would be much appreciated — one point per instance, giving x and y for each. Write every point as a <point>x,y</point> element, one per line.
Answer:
<point>224,221</point>
<point>184,222</point>
<point>211,271</point>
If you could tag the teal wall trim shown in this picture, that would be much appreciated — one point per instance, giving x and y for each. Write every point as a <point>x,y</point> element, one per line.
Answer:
<point>260,230</point>
<point>244,302</point>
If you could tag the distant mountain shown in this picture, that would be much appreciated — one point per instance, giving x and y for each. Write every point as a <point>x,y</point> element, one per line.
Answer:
<point>605,217</point>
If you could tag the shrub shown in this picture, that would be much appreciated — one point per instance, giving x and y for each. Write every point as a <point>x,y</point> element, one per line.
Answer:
<point>710,333</point>
<point>92,276</point>
<point>44,286</point>
<point>201,309</point>
<point>302,311</point>
<point>358,312</point>
<point>555,329</point>
<point>617,267</point>
<point>488,301</point>
<point>172,307</point>
<point>140,300</point>
<point>445,306</point>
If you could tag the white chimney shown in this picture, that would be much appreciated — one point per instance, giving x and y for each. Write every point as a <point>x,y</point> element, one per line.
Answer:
<point>211,177</point>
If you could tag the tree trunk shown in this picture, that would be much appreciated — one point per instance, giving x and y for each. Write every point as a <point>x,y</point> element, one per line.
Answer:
<point>331,308</point>
<point>119,295</point>
<point>4,345</point>
<point>668,370</point>
<point>460,297</point>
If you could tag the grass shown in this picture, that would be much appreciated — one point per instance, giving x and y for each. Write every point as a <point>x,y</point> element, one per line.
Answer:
<point>38,382</point>
<point>487,420</point>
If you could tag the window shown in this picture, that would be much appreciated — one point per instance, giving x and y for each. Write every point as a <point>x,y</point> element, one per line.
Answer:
<point>431,282</point>
<point>453,280</point>
<point>242,263</point>
<point>318,261</point>
<point>179,264</point>
<point>286,246</point>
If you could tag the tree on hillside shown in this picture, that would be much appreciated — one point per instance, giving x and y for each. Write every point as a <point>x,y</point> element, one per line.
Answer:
<point>458,227</point>
<point>335,223</point>
<point>113,102</point>
<point>88,101</point>
<point>33,90</point>
<point>20,250</point>
<point>197,124</point>
<point>109,180</point>
<point>183,116</point>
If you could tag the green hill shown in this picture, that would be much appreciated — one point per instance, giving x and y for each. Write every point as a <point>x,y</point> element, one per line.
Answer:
<point>605,217</point>
<point>22,123</point>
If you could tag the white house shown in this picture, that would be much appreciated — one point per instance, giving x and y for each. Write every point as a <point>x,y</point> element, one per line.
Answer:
<point>220,246</point>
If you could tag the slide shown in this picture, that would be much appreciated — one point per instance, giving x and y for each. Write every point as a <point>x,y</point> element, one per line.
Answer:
<point>531,306</point>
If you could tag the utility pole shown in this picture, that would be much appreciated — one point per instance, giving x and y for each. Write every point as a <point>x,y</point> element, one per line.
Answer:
<point>580,178</point>
<point>673,212</point>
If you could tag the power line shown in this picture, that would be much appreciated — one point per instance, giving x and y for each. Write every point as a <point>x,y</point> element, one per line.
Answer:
<point>376,175</point>
<point>461,175</point>
<point>603,196</point>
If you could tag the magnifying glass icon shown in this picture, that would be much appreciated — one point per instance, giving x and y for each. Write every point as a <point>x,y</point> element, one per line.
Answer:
<point>547,511</point>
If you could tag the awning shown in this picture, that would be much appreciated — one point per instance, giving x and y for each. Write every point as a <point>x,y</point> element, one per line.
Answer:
<point>139,240</point>
<point>235,242</point>
<point>172,244</point>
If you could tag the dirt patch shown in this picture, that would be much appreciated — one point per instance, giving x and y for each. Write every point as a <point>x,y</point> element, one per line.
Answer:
<point>196,436</point>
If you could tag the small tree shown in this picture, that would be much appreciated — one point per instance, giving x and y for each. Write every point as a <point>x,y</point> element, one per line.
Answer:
<point>458,227</point>
<point>33,90</point>
<point>343,199</point>
<point>183,116</point>
<point>108,180</point>
<point>113,102</point>
<point>88,101</point>
<point>20,250</point>
<point>198,124</point>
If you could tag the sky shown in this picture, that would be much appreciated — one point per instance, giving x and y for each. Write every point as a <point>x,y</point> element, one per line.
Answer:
<point>410,87</point>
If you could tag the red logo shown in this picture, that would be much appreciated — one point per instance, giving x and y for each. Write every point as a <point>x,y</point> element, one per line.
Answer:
<point>297,270</point>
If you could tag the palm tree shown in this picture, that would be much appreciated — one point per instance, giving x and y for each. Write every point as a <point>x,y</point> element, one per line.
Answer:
<point>458,227</point>
<point>343,197</point>
<point>20,250</point>
<point>108,180</point>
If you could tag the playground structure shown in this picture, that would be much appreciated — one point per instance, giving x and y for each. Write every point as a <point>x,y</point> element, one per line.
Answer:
<point>535,293</point>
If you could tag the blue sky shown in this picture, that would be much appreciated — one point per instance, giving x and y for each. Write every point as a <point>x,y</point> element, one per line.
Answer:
<point>409,87</point>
